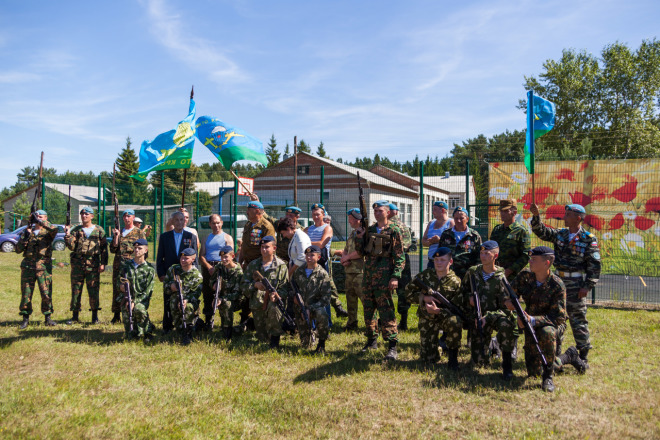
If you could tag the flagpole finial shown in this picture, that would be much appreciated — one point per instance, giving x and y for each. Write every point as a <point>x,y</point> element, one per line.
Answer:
<point>192,91</point>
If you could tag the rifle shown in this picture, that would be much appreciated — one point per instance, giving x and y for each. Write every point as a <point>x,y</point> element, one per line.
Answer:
<point>288,320</point>
<point>364,223</point>
<point>440,299</point>
<point>304,311</point>
<point>37,193</point>
<point>523,318</point>
<point>477,304</point>
<point>127,296</point>
<point>179,287</point>
<point>216,300</point>
<point>68,208</point>
<point>114,196</point>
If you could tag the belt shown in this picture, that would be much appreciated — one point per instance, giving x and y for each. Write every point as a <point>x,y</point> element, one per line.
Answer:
<point>563,274</point>
<point>214,263</point>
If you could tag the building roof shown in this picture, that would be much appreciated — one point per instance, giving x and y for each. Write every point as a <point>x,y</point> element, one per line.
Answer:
<point>87,194</point>
<point>404,179</point>
<point>452,184</point>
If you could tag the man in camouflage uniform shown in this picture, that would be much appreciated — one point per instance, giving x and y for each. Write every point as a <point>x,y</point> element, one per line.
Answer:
<point>89,256</point>
<point>487,281</point>
<point>402,304</point>
<point>229,274</point>
<point>463,241</point>
<point>122,247</point>
<point>315,288</point>
<point>353,264</point>
<point>433,319</point>
<point>544,295</point>
<point>577,262</point>
<point>513,239</point>
<point>382,249</point>
<point>267,316</point>
<point>36,244</point>
<point>191,285</point>
<point>141,277</point>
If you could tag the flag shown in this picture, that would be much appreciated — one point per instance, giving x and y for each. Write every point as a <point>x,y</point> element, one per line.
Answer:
<point>228,144</point>
<point>540,120</point>
<point>170,150</point>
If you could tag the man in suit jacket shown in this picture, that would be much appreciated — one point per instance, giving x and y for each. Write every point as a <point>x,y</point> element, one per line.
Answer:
<point>170,246</point>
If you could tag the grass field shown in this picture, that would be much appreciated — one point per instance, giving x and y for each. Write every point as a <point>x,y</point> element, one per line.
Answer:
<point>83,381</point>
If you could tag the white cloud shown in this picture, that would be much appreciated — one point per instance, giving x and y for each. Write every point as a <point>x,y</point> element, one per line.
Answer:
<point>15,77</point>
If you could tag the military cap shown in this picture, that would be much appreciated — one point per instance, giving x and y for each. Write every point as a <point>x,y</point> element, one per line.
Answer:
<point>267,239</point>
<point>87,209</point>
<point>541,250</point>
<point>441,204</point>
<point>141,242</point>
<point>188,252</point>
<point>393,207</point>
<point>355,213</point>
<point>460,209</point>
<point>441,252</point>
<point>255,204</point>
<point>507,203</point>
<point>381,203</point>
<point>128,212</point>
<point>292,210</point>
<point>318,206</point>
<point>576,208</point>
<point>226,250</point>
<point>41,212</point>
<point>489,245</point>
<point>313,248</point>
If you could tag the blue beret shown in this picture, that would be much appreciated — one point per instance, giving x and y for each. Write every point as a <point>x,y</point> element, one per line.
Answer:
<point>489,245</point>
<point>226,250</point>
<point>292,209</point>
<point>460,209</point>
<point>267,239</point>
<point>355,213</point>
<point>41,212</point>
<point>441,204</point>
<point>542,250</point>
<point>576,208</point>
<point>313,248</point>
<point>441,252</point>
<point>318,206</point>
<point>255,204</point>
<point>381,203</point>
<point>141,242</point>
<point>393,207</point>
<point>188,252</point>
<point>128,212</point>
<point>87,209</point>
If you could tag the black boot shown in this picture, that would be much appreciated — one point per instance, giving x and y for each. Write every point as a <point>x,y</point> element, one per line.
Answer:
<point>26,321</point>
<point>391,355</point>
<point>571,357</point>
<point>452,359</point>
<point>116,318</point>
<point>226,333</point>
<point>95,316</point>
<point>403,323</point>
<point>507,366</point>
<point>547,385</point>
<point>340,311</point>
<point>371,344</point>
<point>274,342</point>
<point>584,352</point>
<point>352,327</point>
<point>320,348</point>
<point>185,337</point>
<point>210,322</point>
<point>74,318</point>
<point>49,322</point>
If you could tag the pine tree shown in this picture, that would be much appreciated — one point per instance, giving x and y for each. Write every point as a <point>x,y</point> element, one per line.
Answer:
<point>129,191</point>
<point>287,152</point>
<point>320,151</point>
<point>303,147</point>
<point>272,153</point>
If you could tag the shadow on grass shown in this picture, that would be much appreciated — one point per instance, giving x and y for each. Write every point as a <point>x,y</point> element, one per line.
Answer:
<point>346,364</point>
<point>92,336</point>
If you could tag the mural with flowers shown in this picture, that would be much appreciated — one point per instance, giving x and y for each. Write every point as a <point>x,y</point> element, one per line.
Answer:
<point>621,197</point>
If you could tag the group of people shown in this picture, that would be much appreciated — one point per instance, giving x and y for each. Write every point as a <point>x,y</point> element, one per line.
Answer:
<point>280,279</point>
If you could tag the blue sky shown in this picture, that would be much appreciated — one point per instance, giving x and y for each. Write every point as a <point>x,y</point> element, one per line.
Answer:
<point>394,78</point>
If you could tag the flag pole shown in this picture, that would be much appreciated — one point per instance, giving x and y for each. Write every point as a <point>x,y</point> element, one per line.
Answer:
<point>242,184</point>
<point>185,170</point>
<point>295,171</point>
<point>530,133</point>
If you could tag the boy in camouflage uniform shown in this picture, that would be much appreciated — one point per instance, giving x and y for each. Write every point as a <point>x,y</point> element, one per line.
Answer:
<point>229,273</point>
<point>513,240</point>
<point>495,315</point>
<point>315,289</point>
<point>433,319</point>
<point>36,244</point>
<point>463,241</point>
<point>191,285</point>
<point>577,263</point>
<point>89,256</point>
<point>353,267</point>
<point>141,277</point>
<point>406,276</point>
<point>383,266</point>
<point>267,316</point>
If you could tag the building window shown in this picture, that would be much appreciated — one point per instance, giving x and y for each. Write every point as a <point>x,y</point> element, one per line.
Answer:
<point>454,201</point>
<point>326,196</point>
<point>303,169</point>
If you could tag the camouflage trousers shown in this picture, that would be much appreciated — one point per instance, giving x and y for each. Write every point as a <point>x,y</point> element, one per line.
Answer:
<point>319,317</point>
<point>116,267</point>
<point>507,336</point>
<point>141,323</point>
<point>44,279</point>
<point>429,329</point>
<point>547,336</point>
<point>406,277</point>
<point>353,287</point>
<point>576,309</point>
<point>225,311</point>
<point>190,314</point>
<point>267,322</point>
<point>379,299</point>
<point>84,274</point>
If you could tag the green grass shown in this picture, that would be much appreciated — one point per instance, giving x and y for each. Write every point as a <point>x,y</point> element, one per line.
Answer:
<point>84,381</point>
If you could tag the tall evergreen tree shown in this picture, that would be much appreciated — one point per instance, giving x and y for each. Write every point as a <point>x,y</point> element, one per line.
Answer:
<point>272,153</point>
<point>303,147</point>
<point>320,151</point>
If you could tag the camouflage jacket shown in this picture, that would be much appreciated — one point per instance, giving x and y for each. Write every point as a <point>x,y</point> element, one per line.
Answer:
<point>141,278</point>
<point>37,248</point>
<point>316,289</point>
<point>357,265</point>
<point>449,286</point>
<point>406,235</point>
<point>492,294</point>
<point>230,289</point>
<point>578,255</point>
<point>465,253</point>
<point>92,250</point>
<point>393,261</point>
<point>545,303</point>
<point>125,248</point>
<point>515,243</point>
<point>191,282</point>
<point>252,235</point>
<point>277,274</point>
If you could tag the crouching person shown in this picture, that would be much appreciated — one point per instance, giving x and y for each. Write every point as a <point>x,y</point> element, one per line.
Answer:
<point>139,277</point>
<point>191,288</point>
<point>229,274</point>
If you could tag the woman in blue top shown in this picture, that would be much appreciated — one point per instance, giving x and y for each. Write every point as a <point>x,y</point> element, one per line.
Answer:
<point>434,229</point>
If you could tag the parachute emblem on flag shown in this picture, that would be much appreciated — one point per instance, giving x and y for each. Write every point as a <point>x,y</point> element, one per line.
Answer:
<point>221,137</point>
